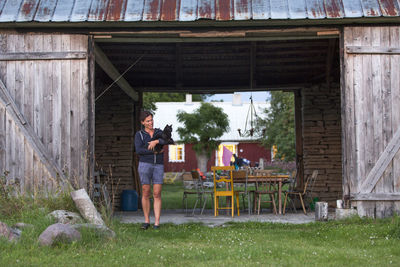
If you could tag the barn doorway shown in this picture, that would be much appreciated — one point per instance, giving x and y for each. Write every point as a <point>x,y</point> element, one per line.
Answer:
<point>308,67</point>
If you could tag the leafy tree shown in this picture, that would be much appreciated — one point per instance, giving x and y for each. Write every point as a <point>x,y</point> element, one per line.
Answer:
<point>149,99</point>
<point>202,128</point>
<point>279,125</point>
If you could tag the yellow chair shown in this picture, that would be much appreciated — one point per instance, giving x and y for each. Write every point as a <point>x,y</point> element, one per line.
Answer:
<point>228,192</point>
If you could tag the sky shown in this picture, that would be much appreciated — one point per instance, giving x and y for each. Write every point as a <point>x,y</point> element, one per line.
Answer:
<point>257,96</point>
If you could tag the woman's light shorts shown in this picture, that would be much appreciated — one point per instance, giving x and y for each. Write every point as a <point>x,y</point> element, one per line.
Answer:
<point>151,173</point>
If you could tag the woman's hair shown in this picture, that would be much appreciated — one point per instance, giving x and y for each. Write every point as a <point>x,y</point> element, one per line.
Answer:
<point>144,114</point>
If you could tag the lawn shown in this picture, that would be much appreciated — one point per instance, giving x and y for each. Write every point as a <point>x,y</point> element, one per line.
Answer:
<point>354,242</point>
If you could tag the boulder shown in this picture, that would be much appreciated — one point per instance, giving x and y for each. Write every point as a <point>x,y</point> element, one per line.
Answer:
<point>65,217</point>
<point>58,233</point>
<point>100,230</point>
<point>9,233</point>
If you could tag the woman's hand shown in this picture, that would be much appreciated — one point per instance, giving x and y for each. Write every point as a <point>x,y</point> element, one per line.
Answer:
<point>152,144</point>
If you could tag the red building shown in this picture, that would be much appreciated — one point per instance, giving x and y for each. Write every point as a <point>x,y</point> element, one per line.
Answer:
<point>248,150</point>
<point>182,157</point>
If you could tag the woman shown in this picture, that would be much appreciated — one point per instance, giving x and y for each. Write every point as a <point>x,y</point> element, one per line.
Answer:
<point>151,167</point>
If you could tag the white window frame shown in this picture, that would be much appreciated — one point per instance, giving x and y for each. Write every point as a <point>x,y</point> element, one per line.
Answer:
<point>175,151</point>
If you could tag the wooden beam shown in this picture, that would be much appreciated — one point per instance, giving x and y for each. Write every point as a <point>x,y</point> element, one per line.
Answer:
<point>372,50</point>
<point>385,158</point>
<point>221,89</point>
<point>114,74</point>
<point>299,139</point>
<point>22,56</point>
<point>158,31</point>
<point>30,135</point>
<point>376,197</point>
<point>155,39</point>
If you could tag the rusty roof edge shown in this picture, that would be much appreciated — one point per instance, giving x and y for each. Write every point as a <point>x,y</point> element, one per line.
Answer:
<point>204,23</point>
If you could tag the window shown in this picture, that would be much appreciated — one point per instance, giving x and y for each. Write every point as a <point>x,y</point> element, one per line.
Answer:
<point>233,147</point>
<point>176,153</point>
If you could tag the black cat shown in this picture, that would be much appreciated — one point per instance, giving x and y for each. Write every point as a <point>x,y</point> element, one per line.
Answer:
<point>166,135</point>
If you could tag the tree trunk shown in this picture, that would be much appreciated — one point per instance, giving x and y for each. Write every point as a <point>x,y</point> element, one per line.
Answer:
<point>202,159</point>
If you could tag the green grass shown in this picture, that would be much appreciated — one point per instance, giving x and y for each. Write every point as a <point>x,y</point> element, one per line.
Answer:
<point>350,243</point>
<point>353,242</point>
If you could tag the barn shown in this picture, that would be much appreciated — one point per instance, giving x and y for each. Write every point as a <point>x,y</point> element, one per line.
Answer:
<point>73,72</point>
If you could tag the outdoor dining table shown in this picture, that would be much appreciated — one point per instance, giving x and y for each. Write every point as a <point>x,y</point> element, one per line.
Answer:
<point>279,178</point>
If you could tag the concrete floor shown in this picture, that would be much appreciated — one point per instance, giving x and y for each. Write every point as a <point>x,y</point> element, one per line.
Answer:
<point>208,218</point>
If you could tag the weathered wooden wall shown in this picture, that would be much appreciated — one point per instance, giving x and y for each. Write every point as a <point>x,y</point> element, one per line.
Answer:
<point>322,140</point>
<point>114,140</point>
<point>52,96</point>
<point>371,117</point>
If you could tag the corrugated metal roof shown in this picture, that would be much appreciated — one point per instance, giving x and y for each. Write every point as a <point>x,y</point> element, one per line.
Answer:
<point>191,10</point>
<point>237,114</point>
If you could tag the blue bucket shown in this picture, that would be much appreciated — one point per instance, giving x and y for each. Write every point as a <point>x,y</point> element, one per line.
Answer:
<point>129,200</point>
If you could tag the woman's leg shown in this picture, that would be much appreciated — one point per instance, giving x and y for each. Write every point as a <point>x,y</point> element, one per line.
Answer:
<point>146,202</point>
<point>157,202</point>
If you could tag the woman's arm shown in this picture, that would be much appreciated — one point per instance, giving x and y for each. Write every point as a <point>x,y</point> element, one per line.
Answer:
<point>141,147</point>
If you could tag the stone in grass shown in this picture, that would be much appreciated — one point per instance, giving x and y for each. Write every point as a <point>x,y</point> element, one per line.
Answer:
<point>9,233</point>
<point>65,217</point>
<point>58,232</point>
<point>100,230</point>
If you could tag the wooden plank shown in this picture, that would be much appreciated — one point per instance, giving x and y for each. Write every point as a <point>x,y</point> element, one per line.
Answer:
<point>395,85</point>
<point>358,109</point>
<point>19,101</point>
<point>10,145</point>
<point>377,107</point>
<point>47,108</point>
<point>373,50</point>
<point>114,74</point>
<point>74,115</point>
<point>29,81</point>
<point>28,171</point>
<point>65,107</point>
<point>388,131</point>
<point>19,158</point>
<point>24,56</point>
<point>83,115</point>
<point>91,110</point>
<point>367,119</point>
<point>359,104</point>
<point>2,140</point>
<point>56,101</point>
<point>377,197</point>
<point>10,130</point>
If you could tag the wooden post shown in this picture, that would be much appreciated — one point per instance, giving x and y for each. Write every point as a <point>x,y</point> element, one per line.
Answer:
<point>299,139</point>
<point>86,207</point>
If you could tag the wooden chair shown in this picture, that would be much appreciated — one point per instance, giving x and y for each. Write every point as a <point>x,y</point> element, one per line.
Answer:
<point>243,174</point>
<point>307,189</point>
<point>229,191</point>
<point>199,191</point>
<point>266,188</point>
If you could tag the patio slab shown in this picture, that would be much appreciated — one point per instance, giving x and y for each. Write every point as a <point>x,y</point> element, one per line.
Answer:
<point>208,218</point>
